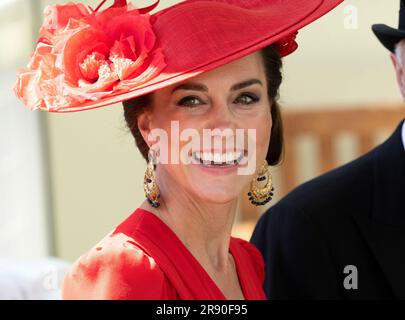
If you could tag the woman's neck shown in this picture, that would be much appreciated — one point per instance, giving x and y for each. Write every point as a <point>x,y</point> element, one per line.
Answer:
<point>204,228</point>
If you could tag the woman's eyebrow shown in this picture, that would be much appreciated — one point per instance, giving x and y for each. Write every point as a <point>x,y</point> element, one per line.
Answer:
<point>245,84</point>
<point>200,87</point>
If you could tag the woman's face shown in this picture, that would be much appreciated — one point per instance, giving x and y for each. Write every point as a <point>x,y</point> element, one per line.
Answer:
<point>233,96</point>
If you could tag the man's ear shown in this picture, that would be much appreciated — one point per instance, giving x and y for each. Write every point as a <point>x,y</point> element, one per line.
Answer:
<point>144,126</point>
<point>399,72</point>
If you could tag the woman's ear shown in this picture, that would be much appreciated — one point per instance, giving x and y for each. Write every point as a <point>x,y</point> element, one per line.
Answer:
<point>144,126</point>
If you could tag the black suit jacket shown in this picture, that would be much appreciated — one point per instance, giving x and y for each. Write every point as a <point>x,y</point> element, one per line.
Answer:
<point>351,216</point>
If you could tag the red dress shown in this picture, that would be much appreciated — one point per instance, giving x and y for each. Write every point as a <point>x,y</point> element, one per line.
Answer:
<point>144,259</point>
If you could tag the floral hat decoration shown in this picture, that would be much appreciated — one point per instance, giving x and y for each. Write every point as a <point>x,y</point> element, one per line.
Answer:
<point>88,58</point>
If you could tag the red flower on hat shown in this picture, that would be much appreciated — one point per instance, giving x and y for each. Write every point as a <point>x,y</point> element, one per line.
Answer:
<point>87,55</point>
<point>287,44</point>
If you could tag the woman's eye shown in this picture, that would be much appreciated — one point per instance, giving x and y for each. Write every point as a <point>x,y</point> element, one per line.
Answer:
<point>248,98</point>
<point>190,101</point>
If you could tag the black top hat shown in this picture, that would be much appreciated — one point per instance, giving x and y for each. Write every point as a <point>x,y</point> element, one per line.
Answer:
<point>388,36</point>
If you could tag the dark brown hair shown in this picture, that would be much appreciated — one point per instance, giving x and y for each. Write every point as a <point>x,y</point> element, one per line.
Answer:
<point>272,64</point>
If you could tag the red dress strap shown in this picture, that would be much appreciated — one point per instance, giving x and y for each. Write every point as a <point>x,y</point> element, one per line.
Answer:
<point>250,267</point>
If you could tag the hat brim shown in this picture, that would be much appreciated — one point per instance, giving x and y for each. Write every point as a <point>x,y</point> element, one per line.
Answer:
<point>388,36</point>
<point>236,31</point>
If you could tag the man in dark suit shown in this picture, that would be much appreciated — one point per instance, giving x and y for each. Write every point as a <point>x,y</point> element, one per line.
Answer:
<point>342,235</point>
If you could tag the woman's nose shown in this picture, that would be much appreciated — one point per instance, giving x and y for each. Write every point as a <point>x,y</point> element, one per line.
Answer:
<point>221,116</point>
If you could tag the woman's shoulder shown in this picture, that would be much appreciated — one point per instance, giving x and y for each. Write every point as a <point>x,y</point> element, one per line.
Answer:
<point>116,268</point>
<point>254,254</point>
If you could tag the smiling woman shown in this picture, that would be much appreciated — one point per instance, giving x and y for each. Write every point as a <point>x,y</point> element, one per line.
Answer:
<point>197,201</point>
<point>177,244</point>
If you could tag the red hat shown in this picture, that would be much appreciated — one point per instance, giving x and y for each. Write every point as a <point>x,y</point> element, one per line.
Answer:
<point>89,58</point>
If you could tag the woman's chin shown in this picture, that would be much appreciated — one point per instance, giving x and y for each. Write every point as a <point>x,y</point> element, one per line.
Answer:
<point>216,192</point>
<point>219,187</point>
<point>217,198</point>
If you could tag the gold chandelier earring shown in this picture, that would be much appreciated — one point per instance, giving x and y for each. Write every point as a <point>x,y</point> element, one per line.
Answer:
<point>260,194</point>
<point>152,192</point>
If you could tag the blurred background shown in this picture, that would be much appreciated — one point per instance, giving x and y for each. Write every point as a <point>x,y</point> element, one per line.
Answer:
<point>68,179</point>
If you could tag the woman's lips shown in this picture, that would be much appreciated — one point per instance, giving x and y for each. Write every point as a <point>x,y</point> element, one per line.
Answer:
<point>211,162</point>
<point>218,159</point>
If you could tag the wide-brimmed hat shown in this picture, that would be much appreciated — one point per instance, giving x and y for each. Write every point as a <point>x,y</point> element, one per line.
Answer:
<point>389,36</point>
<point>88,58</point>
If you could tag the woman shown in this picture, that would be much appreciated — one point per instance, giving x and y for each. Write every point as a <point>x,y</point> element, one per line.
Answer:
<point>171,69</point>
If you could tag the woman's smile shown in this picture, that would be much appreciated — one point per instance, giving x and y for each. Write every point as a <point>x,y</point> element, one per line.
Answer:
<point>218,161</point>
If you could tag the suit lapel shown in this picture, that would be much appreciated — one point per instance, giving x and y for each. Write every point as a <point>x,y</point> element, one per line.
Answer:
<point>384,230</point>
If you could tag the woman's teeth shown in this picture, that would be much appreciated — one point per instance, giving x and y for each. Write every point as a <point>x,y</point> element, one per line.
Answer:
<point>217,158</point>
